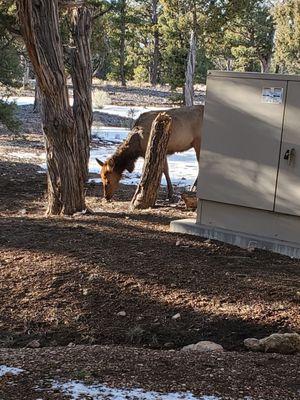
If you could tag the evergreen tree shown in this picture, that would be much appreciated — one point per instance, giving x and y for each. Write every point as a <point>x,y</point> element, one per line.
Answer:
<point>287,39</point>
<point>11,70</point>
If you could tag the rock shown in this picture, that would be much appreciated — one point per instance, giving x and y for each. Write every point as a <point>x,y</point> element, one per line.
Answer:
<point>203,346</point>
<point>121,314</point>
<point>283,343</point>
<point>23,211</point>
<point>178,242</point>
<point>176,316</point>
<point>252,344</point>
<point>169,345</point>
<point>34,344</point>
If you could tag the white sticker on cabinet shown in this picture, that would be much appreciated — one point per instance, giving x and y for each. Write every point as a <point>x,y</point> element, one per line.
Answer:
<point>272,95</point>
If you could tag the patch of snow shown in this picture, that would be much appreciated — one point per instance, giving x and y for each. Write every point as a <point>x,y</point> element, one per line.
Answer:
<point>183,167</point>
<point>22,101</point>
<point>77,390</point>
<point>24,154</point>
<point>9,370</point>
<point>122,111</point>
<point>128,111</point>
<point>110,134</point>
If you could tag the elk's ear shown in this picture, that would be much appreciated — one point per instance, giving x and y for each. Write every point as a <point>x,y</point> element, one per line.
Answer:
<point>101,163</point>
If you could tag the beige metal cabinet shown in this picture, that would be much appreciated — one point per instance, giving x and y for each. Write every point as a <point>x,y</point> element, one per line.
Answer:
<point>288,187</point>
<point>241,143</point>
<point>249,173</point>
<point>247,133</point>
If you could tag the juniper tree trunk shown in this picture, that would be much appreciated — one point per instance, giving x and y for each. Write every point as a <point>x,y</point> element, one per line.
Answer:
<point>155,158</point>
<point>39,22</point>
<point>81,73</point>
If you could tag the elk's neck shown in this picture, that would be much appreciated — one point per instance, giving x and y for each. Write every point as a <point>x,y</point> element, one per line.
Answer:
<point>128,152</point>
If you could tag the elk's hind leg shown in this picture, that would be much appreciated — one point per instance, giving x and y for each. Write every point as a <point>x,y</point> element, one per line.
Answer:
<point>197,146</point>
<point>168,179</point>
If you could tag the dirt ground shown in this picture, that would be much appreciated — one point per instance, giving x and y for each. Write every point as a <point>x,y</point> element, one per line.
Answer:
<point>64,281</point>
<point>228,376</point>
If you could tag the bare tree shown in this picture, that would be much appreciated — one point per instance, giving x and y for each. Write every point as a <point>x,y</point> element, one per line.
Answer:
<point>155,58</point>
<point>122,41</point>
<point>190,72</point>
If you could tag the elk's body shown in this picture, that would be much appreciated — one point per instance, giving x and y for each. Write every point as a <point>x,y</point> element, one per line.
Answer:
<point>186,133</point>
<point>186,128</point>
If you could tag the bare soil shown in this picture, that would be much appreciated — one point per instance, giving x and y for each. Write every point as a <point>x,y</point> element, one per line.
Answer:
<point>64,280</point>
<point>234,376</point>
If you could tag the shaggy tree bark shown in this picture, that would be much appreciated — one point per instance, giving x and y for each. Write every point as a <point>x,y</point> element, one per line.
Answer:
<point>81,73</point>
<point>146,193</point>
<point>39,22</point>
<point>190,72</point>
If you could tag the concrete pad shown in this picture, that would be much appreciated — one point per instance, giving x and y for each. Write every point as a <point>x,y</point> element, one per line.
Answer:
<point>240,239</point>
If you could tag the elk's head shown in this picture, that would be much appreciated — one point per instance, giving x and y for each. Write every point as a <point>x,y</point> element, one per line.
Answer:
<point>110,178</point>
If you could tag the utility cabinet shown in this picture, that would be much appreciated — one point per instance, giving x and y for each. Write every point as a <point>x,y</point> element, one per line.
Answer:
<point>249,174</point>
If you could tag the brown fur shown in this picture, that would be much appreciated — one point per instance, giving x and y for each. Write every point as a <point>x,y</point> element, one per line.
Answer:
<point>186,133</point>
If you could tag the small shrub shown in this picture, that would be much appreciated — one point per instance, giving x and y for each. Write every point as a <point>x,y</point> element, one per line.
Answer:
<point>176,98</point>
<point>101,98</point>
<point>97,81</point>
<point>7,115</point>
<point>136,334</point>
<point>140,74</point>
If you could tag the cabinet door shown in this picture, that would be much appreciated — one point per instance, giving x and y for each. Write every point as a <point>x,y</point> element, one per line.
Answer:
<point>241,141</point>
<point>288,187</point>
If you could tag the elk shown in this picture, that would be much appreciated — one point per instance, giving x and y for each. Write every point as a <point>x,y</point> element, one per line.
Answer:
<point>186,133</point>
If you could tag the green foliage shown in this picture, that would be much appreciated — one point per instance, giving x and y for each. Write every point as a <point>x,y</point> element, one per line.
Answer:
<point>11,71</point>
<point>7,115</point>
<point>246,39</point>
<point>140,74</point>
<point>230,34</point>
<point>287,45</point>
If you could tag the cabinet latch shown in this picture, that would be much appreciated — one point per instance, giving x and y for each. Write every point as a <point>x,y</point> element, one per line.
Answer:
<point>290,156</point>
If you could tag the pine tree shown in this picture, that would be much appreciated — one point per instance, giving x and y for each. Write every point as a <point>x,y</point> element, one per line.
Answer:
<point>10,66</point>
<point>287,39</point>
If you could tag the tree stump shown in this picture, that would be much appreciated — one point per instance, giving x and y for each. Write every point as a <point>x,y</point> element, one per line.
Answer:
<point>155,158</point>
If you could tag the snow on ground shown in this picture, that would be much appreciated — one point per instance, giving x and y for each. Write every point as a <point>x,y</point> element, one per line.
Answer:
<point>22,100</point>
<point>110,134</point>
<point>9,370</point>
<point>123,111</point>
<point>25,155</point>
<point>183,166</point>
<point>77,390</point>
